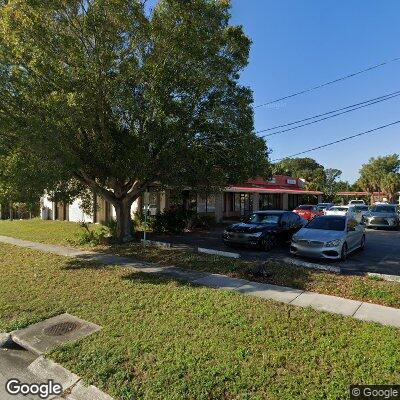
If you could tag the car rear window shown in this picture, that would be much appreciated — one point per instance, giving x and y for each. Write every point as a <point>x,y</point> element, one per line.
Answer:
<point>305,207</point>
<point>360,208</point>
<point>264,218</point>
<point>338,209</point>
<point>327,223</point>
<point>383,209</point>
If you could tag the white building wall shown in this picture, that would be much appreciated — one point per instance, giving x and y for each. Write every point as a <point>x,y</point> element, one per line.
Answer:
<point>76,214</point>
<point>135,206</point>
<point>46,208</point>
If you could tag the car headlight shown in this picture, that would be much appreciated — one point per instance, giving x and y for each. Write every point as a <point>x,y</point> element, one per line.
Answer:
<point>256,234</point>
<point>333,243</point>
<point>391,221</point>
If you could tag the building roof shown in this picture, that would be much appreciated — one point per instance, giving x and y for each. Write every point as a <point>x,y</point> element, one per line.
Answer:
<point>278,184</point>
<point>252,189</point>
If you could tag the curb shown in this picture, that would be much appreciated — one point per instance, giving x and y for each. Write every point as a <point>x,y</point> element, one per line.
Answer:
<point>4,338</point>
<point>46,369</point>
<point>218,252</point>
<point>82,392</point>
<point>310,265</point>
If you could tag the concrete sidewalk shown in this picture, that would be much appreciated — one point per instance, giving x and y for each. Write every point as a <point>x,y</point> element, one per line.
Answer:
<point>337,305</point>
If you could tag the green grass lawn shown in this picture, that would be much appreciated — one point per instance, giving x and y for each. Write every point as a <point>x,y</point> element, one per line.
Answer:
<point>53,232</point>
<point>166,340</point>
<point>353,287</point>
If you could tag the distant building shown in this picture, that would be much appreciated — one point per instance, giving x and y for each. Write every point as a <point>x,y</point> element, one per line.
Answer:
<point>368,197</point>
<point>280,193</point>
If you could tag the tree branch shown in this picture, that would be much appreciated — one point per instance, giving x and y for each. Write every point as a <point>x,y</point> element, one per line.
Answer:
<point>84,178</point>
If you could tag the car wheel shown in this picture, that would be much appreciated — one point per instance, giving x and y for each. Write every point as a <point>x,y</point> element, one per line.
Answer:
<point>362,243</point>
<point>343,254</point>
<point>268,243</point>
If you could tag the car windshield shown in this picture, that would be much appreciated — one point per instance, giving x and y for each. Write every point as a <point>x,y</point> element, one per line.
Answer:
<point>262,218</point>
<point>305,207</point>
<point>383,209</point>
<point>338,209</point>
<point>327,224</point>
<point>360,208</point>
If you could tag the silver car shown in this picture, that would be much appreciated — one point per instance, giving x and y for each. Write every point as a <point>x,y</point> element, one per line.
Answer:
<point>382,216</point>
<point>330,237</point>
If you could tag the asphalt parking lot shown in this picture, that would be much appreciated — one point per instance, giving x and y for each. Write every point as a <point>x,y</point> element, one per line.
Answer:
<point>381,254</point>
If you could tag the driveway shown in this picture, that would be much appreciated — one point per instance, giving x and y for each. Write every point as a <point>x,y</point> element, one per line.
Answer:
<point>381,254</point>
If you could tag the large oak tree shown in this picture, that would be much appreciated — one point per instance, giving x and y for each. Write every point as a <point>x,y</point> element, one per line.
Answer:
<point>117,96</point>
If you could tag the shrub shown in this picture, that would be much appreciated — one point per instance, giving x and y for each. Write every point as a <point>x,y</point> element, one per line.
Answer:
<point>177,220</point>
<point>92,236</point>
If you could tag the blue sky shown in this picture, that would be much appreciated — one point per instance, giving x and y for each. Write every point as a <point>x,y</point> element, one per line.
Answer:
<point>301,43</point>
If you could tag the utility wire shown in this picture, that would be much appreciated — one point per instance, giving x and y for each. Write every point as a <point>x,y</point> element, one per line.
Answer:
<point>329,112</point>
<point>329,82</point>
<point>330,116</point>
<point>339,141</point>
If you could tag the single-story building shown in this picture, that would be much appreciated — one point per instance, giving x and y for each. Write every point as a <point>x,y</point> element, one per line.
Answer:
<point>280,193</point>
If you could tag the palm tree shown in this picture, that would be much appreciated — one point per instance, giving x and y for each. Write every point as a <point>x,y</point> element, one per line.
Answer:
<point>391,185</point>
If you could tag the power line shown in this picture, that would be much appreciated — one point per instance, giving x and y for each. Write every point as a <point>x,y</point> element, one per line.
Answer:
<point>330,112</point>
<point>329,82</point>
<point>332,116</point>
<point>338,141</point>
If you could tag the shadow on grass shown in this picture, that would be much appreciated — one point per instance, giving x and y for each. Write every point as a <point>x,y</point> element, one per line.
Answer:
<point>154,279</point>
<point>77,263</point>
<point>263,272</point>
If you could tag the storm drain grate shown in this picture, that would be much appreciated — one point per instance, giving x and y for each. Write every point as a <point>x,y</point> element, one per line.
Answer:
<point>61,328</point>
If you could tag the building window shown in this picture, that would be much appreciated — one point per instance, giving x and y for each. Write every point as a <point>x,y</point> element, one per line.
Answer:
<point>270,201</point>
<point>295,200</point>
<point>206,204</point>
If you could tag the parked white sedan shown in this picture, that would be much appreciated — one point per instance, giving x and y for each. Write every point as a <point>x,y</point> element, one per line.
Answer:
<point>357,212</point>
<point>338,210</point>
<point>329,237</point>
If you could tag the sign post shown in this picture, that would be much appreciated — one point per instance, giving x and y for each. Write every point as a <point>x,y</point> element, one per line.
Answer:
<point>146,209</point>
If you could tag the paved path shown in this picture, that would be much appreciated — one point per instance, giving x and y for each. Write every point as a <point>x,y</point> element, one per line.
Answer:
<point>337,305</point>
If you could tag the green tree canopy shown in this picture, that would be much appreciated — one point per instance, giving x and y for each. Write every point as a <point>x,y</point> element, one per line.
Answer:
<point>306,168</point>
<point>331,184</point>
<point>391,184</point>
<point>118,97</point>
<point>377,174</point>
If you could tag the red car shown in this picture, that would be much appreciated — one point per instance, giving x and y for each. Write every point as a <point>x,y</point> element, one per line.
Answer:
<point>308,212</point>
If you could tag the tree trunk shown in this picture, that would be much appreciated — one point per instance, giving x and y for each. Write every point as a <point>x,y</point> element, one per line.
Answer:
<point>124,220</point>
<point>11,211</point>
